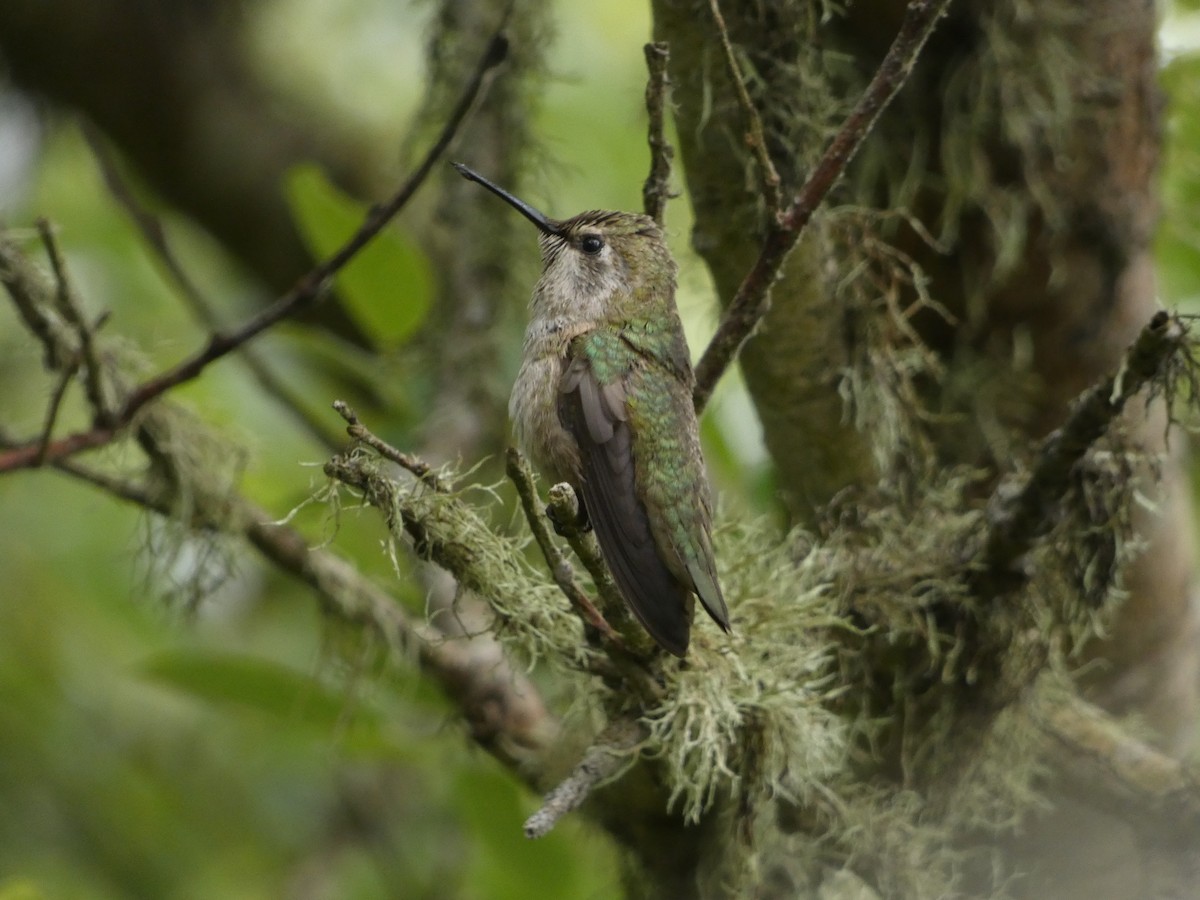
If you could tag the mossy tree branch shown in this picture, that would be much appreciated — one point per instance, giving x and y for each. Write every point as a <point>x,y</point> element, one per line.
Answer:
<point>1110,767</point>
<point>1018,518</point>
<point>604,759</point>
<point>503,709</point>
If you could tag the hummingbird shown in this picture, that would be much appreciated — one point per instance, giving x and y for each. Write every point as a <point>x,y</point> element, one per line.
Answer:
<point>603,401</point>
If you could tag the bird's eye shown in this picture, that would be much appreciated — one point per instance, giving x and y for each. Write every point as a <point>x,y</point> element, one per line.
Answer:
<point>591,244</point>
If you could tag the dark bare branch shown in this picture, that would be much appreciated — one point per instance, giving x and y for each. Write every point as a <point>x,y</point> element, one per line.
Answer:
<point>752,299</point>
<point>155,236</point>
<point>52,408</point>
<point>657,189</point>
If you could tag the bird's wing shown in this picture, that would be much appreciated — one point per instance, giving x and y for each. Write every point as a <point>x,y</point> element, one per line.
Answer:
<point>594,411</point>
<point>675,488</point>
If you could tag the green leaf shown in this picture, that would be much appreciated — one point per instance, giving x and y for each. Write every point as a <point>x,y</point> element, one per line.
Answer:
<point>254,683</point>
<point>388,286</point>
<point>505,865</point>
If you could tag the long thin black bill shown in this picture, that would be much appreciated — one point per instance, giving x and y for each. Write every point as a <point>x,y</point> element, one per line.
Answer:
<point>544,224</point>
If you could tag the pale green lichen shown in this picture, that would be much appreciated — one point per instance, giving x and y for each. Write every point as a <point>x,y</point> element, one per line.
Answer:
<point>772,676</point>
<point>532,616</point>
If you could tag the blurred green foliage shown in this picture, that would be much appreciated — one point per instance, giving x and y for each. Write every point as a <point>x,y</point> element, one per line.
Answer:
<point>141,759</point>
<point>1178,245</point>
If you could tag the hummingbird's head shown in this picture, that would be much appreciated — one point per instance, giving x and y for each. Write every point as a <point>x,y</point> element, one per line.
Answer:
<point>597,265</point>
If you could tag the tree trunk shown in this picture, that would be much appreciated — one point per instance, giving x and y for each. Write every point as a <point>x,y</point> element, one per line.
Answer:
<point>1026,144</point>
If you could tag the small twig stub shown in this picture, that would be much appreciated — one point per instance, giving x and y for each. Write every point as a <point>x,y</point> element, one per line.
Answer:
<point>611,753</point>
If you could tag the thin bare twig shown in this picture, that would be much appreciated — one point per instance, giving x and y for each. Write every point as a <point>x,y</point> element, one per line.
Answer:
<point>611,753</point>
<point>413,464</point>
<point>564,507</point>
<point>65,303</point>
<point>752,299</point>
<point>62,292</point>
<point>1016,521</point>
<point>656,190</point>
<point>55,404</point>
<point>306,291</point>
<point>557,562</point>
<point>155,236</point>
<point>756,137</point>
<point>149,226</point>
<point>123,489</point>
